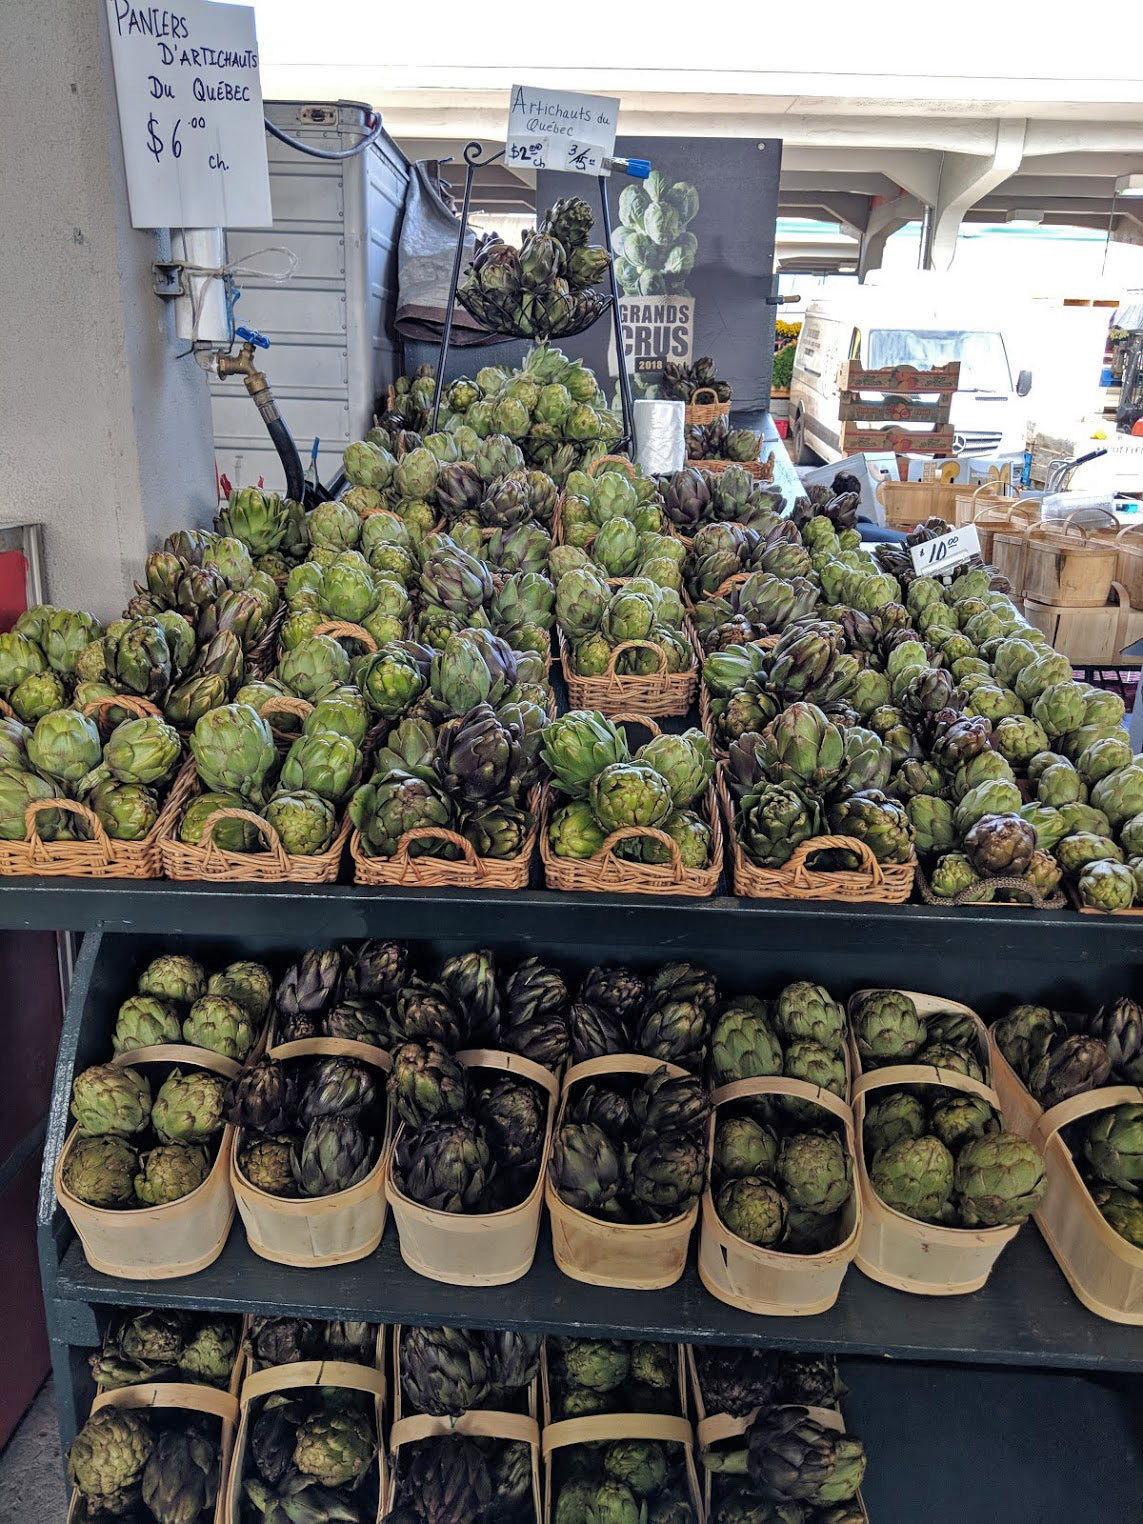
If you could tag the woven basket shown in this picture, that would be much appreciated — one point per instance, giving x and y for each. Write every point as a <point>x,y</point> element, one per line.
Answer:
<point>262,656</point>
<point>469,872</point>
<point>760,470</point>
<point>606,873</point>
<point>872,883</point>
<point>285,703</point>
<point>661,693</point>
<point>700,412</point>
<point>716,1428</point>
<point>1034,901</point>
<point>183,861</point>
<point>102,856</point>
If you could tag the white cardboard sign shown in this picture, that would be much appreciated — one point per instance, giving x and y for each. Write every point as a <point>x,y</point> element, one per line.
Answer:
<point>190,114</point>
<point>936,557</point>
<point>560,129</point>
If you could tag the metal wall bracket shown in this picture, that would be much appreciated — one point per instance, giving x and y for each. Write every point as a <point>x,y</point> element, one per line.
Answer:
<point>167,278</point>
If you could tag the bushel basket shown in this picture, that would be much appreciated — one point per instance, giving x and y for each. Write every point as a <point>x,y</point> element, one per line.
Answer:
<point>1102,1268</point>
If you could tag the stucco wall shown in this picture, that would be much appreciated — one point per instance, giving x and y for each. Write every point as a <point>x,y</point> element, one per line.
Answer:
<point>105,434</point>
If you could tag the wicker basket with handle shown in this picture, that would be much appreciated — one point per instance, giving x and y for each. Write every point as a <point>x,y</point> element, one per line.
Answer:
<point>468,871</point>
<point>606,873</point>
<point>760,470</point>
<point>101,856</point>
<point>704,407</point>
<point>872,882</point>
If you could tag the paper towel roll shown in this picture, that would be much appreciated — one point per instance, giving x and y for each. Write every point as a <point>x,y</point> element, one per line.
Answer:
<point>659,443</point>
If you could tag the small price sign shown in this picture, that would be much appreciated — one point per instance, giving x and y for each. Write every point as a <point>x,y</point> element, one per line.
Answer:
<point>560,129</point>
<point>936,557</point>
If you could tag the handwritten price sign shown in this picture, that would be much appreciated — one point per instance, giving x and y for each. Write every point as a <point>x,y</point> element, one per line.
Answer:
<point>190,114</point>
<point>560,129</point>
<point>937,557</point>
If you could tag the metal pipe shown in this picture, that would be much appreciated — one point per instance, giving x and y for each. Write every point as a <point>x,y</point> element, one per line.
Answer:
<point>458,255</point>
<point>242,364</point>
<point>628,440</point>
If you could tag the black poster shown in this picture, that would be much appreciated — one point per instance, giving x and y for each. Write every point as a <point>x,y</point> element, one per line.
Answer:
<point>694,259</point>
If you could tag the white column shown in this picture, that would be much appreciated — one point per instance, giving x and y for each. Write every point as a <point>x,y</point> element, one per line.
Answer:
<point>105,433</point>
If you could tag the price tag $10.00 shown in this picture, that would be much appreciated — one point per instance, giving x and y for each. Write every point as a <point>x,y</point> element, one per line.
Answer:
<point>935,558</point>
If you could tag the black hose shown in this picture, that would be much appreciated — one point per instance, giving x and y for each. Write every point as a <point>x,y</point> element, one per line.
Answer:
<point>291,460</point>
<point>325,153</point>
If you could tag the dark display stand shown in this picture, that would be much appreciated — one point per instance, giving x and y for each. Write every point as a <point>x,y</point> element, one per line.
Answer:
<point>1026,1373</point>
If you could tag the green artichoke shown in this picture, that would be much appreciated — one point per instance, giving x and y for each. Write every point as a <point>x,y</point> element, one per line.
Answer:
<point>1113,1146</point>
<point>807,1010</point>
<point>336,1447</point>
<point>890,1117</point>
<point>108,1456</point>
<point>146,751</point>
<point>144,1021</point>
<point>887,1026</point>
<point>233,749</point>
<point>814,1172</point>
<point>742,1147</point>
<point>111,1098</point>
<point>581,744</point>
<point>960,1119</point>
<point>334,1154</point>
<point>743,1043</point>
<point>101,1171</point>
<point>753,1209</point>
<point>629,794</point>
<point>170,1172</point>
<point>914,1176</point>
<point>220,1024</point>
<point>598,1364</point>
<point>999,1180</point>
<point>189,1108</point>
<point>65,745</point>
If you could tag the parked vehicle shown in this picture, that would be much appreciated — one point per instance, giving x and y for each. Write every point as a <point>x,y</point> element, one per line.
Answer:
<point>879,327</point>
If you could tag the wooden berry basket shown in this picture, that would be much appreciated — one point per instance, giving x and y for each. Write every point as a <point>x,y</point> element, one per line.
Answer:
<point>157,1242</point>
<point>718,1427</point>
<point>927,1005</point>
<point>605,1428</point>
<point>480,1248</point>
<point>102,856</point>
<point>635,1256</point>
<point>872,883</point>
<point>288,1378</point>
<point>1102,1268</point>
<point>704,407</point>
<point>478,1423</point>
<point>531,1392</point>
<point>467,872</point>
<point>659,693</point>
<point>312,1231</point>
<point>186,1397</point>
<point>922,1257</point>
<point>773,1282</point>
<point>605,873</point>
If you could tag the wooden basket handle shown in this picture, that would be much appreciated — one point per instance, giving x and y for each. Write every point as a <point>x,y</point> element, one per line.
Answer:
<point>610,1426</point>
<point>736,579</point>
<point>606,459</point>
<point>483,1423</point>
<point>628,645</point>
<point>701,391</point>
<point>1129,529</point>
<point>286,703</point>
<point>438,833</point>
<point>6,709</point>
<point>261,825</point>
<point>627,717</point>
<point>191,1396</point>
<point>1105,511</point>
<point>1084,1105</point>
<point>73,807</point>
<point>613,865</point>
<point>341,629</point>
<point>803,873</point>
<point>302,1373</point>
<point>618,1063</point>
<point>141,708</point>
<point>922,1074</point>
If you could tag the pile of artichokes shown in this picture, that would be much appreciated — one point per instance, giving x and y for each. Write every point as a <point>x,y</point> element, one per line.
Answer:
<point>150,1345</point>
<point>632,1149</point>
<point>449,1371</point>
<point>122,779</point>
<point>595,619</point>
<point>628,1480</point>
<point>161,1465</point>
<point>612,490</point>
<point>175,1001</point>
<point>458,1479</point>
<point>551,408</point>
<point>286,1341</point>
<point>1058,1057</point>
<point>472,1139</point>
<point>38,658</point>
<point>662,787</point>
<point>693,497</point>
<point>543,289</point>
<point>736,1379</point>
<point>678,382</point>
<point>654,248</point>
<point>311,1454</point>
<point>307,1126</point>
<point>718,441</point>
<point>132,1148</point>
<point>942,1156</point>
<point>781,1179</point>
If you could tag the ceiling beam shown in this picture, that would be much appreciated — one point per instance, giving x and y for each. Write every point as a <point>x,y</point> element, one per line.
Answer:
<point>964,180</point>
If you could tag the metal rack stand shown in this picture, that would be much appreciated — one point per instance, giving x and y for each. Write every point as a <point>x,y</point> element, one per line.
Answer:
<point>473,158</point>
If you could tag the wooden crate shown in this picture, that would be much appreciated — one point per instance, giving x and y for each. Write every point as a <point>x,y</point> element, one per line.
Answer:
<point>877,425</point>
<point>943,379</point>
<point>1087,637</point>
<point>856,438</point>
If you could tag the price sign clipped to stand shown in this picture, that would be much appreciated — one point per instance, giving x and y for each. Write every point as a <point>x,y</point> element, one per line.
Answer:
<point>560,129</point>
<point>940,556</point>
<point>190,114</point>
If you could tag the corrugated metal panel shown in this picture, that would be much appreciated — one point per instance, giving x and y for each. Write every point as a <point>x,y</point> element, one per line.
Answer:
<point>331,325</point>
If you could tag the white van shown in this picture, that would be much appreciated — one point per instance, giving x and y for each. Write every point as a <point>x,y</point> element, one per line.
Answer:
<point>878,327</point>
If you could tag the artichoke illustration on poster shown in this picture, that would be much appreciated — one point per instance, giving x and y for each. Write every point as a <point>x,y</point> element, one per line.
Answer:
<point>654,247</point>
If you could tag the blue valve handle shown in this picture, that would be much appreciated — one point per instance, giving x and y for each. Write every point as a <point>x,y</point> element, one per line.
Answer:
<point>252,336</point>
<point>637,169</point>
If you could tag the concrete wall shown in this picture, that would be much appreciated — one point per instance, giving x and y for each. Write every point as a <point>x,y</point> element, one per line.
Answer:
<point>105,434</point>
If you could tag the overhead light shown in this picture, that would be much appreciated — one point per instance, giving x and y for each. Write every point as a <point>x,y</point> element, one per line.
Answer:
<point>1129,185</point>
<point>1024,217</point>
